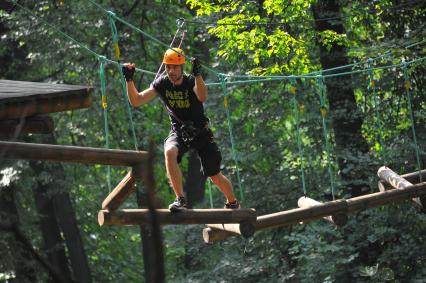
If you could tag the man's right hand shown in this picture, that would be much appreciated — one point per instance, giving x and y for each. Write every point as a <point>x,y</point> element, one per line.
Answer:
<point>128,71</point>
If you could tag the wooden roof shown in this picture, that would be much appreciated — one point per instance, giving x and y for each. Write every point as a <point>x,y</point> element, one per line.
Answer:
<point>20,99</point>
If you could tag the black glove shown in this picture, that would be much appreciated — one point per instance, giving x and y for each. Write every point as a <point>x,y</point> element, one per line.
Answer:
<point>128,71</point>
<point>196,67</point>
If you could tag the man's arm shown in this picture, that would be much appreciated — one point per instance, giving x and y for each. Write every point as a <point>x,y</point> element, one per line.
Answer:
<point>135,98</point>
<point>200,88</point>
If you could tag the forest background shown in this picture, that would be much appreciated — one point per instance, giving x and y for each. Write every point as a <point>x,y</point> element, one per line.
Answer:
<point>365,116</point>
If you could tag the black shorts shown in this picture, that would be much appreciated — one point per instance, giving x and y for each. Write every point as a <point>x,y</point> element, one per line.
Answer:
<point>206,147</point>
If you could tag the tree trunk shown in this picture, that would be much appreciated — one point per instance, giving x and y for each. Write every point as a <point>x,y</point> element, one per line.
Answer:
<point>20,259</point>
<point>52,195</point>
<point>345,117</point>
<point>54,245</point>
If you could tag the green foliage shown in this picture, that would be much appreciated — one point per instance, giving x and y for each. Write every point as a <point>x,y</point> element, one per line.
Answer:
<point>383,244</point>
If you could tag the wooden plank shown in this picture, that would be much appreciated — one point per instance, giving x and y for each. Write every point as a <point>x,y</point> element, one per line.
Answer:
<point>398,182</point>
<point>73,154</point>
<point>297,215</point>
<point>339,218</point>
<point>40,124</point>
<point>120,193</point>
<point>164,216</point>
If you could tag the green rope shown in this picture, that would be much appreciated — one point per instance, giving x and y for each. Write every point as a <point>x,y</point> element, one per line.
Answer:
<point>296,113</point>
<point>153,38</point>
<point>231,135</point>
<point>115,38</point>
<point>379,126</point>
<point>209,187</point>
<point>413,128</point>
<point>324,113</point>
<point>129,110</point>
<point>114,33</point>
<point>105,112</point>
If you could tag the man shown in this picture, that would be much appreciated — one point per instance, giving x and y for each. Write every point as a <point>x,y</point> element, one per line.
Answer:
<point>183,96</point>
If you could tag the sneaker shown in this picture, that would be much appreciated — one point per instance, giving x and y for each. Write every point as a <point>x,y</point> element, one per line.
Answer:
<point>178,205</point>
<point>232,205</point>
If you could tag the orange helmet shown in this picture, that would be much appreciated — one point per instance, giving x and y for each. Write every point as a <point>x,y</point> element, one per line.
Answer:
<point>173,58</point>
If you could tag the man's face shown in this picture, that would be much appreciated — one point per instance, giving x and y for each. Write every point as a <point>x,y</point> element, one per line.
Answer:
<point>174,72</point>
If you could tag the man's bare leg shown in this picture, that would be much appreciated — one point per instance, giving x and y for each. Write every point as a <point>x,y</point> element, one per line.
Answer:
<point>224,186</point>
<point>174,174</point>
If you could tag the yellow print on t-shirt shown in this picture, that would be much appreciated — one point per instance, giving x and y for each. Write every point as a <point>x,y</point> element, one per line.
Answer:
<point>178,99</point>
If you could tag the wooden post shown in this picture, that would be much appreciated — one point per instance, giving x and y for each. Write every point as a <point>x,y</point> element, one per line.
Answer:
<point>188,216</point>
<point>399,182</point>
<point>339,218</point>
<point>120,193</point>
<point>74,154</point>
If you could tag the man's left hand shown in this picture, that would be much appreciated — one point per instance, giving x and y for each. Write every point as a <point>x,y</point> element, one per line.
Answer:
<point>196,67</point>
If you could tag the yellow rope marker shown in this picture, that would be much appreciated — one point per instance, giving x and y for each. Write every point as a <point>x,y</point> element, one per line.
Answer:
<point>104,102</point>
<point>117,50</point>
<point>292,89</point>
<point>225,102</point>
<point>407,85</point>
<point>323,111</point>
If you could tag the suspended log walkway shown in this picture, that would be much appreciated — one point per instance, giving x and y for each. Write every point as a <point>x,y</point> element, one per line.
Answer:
<point>245,217</point>
<point>313,210</point>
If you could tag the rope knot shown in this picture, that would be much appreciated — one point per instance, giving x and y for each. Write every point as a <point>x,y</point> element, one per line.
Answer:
<point>111,14</point>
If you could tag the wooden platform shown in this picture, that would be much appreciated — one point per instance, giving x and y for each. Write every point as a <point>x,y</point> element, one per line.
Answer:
<point>20,99</point>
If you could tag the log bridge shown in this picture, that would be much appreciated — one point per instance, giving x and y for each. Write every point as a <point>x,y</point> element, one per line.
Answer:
<point>241,221</point>
<point>334,211</point>
<point>221,223</point>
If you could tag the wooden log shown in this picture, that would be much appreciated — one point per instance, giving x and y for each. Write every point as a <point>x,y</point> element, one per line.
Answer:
<point>339,218</point>
<point>120,193</point>
<point>40,124</point>
<point>414,177</point>
<point>399,182</point>
<point>297,215</point>
<point>381,198</point>
<point>211,235</point>
<point>283,218</point>
<point>188,216</point>
<point>244,228</point>
<point>73,154</point>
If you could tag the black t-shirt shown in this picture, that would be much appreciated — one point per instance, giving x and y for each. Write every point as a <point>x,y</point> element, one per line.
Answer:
<point>182,100</point>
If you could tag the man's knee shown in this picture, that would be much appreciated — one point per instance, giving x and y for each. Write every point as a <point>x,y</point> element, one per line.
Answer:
<point>171,153</point>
